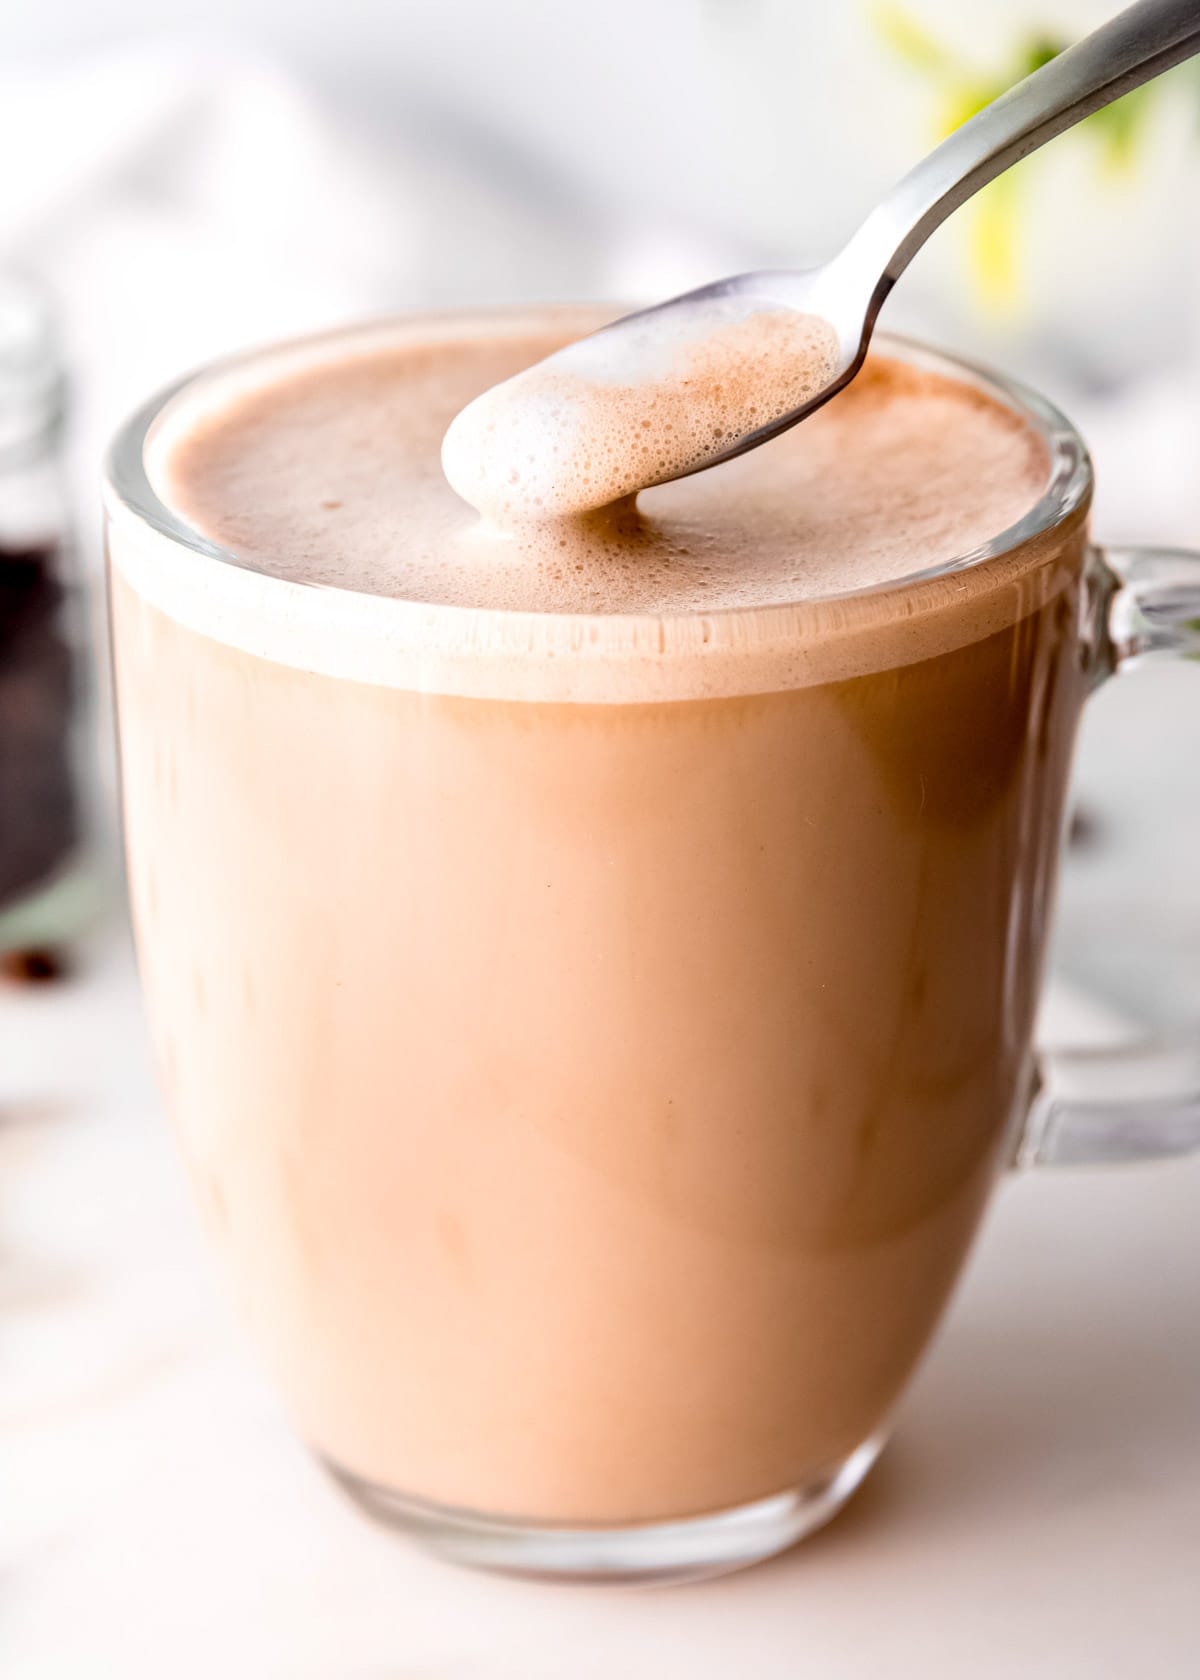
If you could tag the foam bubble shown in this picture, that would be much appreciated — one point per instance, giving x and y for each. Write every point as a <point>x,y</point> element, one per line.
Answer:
<point>614,413</point>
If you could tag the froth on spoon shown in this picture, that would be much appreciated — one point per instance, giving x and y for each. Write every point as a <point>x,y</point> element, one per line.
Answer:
<point>706,376</point>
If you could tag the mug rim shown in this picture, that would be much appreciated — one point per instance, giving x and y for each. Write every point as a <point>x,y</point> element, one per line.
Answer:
<point>1068,485</point>
<point>499,653</point>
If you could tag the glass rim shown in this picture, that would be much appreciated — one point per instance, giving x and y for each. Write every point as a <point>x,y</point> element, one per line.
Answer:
<point>1067,488</point>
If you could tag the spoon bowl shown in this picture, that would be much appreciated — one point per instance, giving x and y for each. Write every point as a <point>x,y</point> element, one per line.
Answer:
<point>832,294</point>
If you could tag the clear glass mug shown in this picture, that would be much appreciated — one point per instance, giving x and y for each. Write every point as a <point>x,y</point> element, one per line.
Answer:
<point>592,1102</point>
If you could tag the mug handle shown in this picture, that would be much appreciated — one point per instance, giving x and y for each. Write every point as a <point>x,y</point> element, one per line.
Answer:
<point>1137,1102</point>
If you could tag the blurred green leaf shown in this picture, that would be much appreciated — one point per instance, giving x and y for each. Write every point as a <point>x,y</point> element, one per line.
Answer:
<point>1040,51</point>
<point>1118,126</point>
<point>962,90</point>
<point>908,38</point>
<point>959,101</point>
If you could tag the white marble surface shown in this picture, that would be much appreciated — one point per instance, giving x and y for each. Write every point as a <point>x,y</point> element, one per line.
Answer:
<point>1038,1513</point>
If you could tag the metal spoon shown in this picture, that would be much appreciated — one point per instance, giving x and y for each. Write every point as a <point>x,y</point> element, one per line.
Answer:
<point>1140,43</point>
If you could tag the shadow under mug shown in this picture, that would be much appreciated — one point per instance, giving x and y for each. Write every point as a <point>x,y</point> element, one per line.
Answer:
<point>592,1102</point>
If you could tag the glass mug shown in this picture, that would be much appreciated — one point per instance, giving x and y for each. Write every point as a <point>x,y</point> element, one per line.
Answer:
<point>592,1101</point>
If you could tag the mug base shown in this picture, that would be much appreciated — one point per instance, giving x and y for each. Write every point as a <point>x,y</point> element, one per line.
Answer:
<point>654,1553</point>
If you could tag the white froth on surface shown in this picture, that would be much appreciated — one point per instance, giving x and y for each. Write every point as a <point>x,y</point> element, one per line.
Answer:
<point>318,469</point>
<point>329,473</point>
<point>624,409</point>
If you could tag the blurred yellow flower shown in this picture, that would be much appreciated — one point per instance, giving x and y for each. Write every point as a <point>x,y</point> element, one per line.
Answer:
<point>958,90</point>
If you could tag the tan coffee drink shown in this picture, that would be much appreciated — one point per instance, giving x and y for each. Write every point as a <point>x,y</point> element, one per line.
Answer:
<point>592,966</point>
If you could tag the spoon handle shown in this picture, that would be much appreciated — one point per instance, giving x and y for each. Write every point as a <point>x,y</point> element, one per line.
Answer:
<point>1135,46</point>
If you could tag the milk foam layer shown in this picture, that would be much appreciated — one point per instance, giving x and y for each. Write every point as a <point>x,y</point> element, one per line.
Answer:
<point>612,414</point>
<point>319,466</point>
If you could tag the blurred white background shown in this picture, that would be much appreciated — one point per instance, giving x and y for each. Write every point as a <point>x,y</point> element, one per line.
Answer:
<point>194,176</point>
<point>191,176</point>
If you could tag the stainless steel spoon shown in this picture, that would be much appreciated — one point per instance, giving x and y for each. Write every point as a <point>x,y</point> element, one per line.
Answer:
<point>1140,43</point>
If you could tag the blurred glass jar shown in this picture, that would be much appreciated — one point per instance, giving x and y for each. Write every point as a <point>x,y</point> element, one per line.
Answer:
<point>48,880</point>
